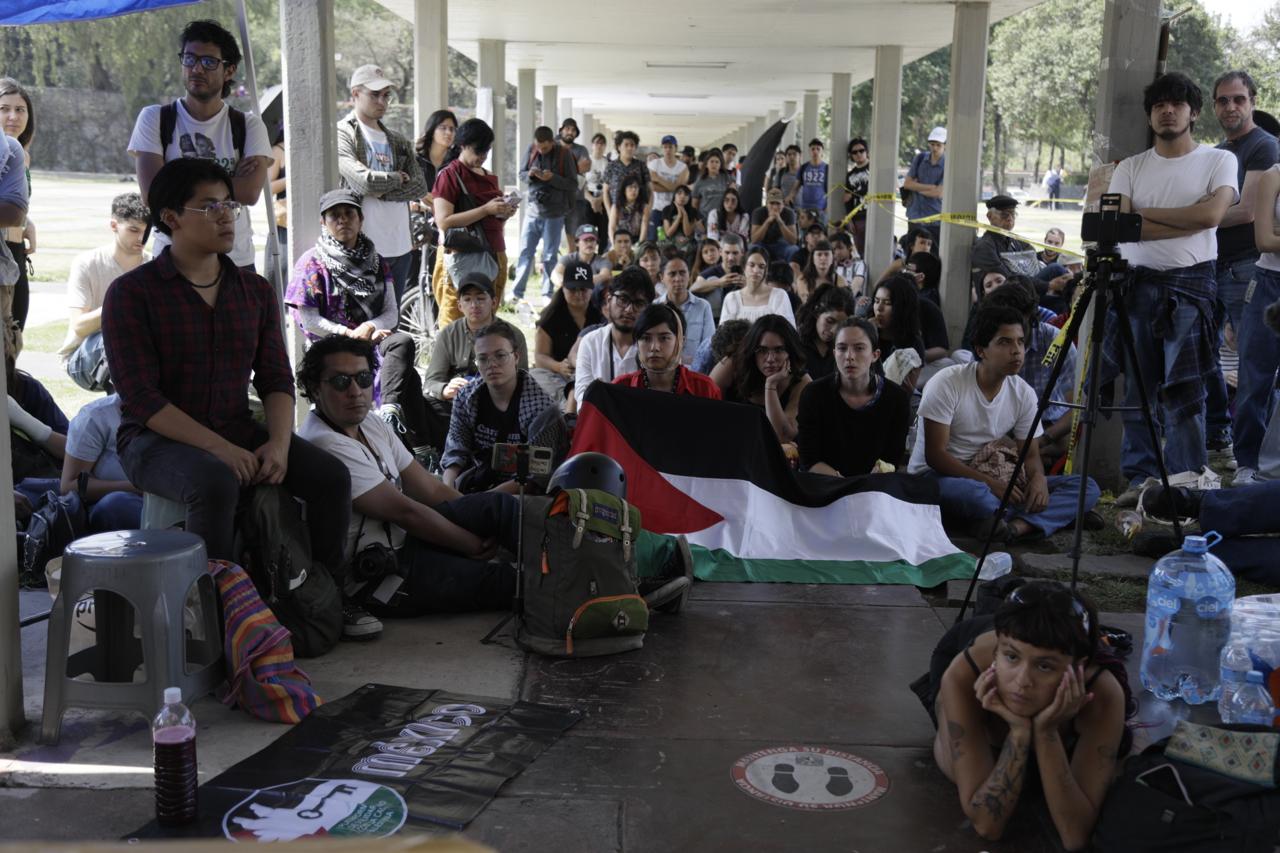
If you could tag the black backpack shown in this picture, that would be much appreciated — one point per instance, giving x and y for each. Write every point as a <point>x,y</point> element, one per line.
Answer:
<point>1224,814</point>
<point>275,549</point>
<point>169,121</point>
<point>579,576</point>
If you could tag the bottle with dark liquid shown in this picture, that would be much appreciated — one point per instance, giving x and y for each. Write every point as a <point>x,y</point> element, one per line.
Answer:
<point>173,734</point>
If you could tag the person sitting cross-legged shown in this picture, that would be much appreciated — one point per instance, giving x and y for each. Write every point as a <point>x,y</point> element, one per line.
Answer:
<point>503,405</point>
<point>968,408</point>
<point>443,541</point>
<point>659,337</point>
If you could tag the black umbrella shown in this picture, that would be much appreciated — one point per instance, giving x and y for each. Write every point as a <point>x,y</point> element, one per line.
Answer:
<point>756,165</point>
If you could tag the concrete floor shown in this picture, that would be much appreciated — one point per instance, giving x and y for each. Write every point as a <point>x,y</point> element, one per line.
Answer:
<point>746,667</point>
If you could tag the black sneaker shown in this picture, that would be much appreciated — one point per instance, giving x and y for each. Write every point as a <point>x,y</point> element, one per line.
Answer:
<point>1219,443</point>
<point>1178,501</point>
<point>359,624</point>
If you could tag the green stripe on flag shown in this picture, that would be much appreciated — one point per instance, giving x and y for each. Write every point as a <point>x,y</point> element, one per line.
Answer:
<point>654,552</point>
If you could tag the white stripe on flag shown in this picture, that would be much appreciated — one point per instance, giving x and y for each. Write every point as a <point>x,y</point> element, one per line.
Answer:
<point>872,526</point>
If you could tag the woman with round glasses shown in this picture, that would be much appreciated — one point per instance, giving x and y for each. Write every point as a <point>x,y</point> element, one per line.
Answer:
<point>343,286</point>
<point>767,371</point>
<point>503,405</point>
<point>1028,698</point>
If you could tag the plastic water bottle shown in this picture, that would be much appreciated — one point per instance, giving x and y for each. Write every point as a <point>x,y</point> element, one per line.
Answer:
<point>1189,597</point>
<point>173,735</point>
<point>997,565</point>
<point>524,313</point>
<point>1233,667</point>
<point>1252,703</point>
<point>1129,523</point>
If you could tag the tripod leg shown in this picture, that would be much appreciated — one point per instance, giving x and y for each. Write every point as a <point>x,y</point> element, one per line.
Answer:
<point>1131,353</point>
<point>1077,318</point>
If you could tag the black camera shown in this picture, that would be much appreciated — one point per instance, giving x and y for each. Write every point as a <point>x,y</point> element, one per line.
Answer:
<point>1108,227</point>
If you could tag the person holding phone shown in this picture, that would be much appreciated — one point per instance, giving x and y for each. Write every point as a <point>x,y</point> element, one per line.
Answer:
<point>1029,693</point>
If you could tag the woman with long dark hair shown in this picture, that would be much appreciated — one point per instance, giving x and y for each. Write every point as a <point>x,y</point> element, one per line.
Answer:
<point>896,313</point>
<point>18,120</point>
<point>559,325</point>
<point>431,149</point>
<point>729,217</point>
<point>819,269</point>
<point>767,371</point>
<point>627,211</point>
<point>757,297</point>
<point>817,321</point>
<point>463,167</point>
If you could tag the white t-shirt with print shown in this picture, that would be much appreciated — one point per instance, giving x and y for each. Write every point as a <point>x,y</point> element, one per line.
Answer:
<point>208,140</point>
<point>91,274</point>
<point>386,223</point>
<point>668,173</point>
<point>1150,180</point>
<point>369,469</point>
<point>953,397</point>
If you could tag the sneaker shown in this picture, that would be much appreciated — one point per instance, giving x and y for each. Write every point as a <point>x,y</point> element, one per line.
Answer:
<point>428,457</point>
<point>393,415</point>
<point>359,624</point>
<point>1177,502</point>
<point>993,528</point>
<point>1219,443</point>
<point>1246,476</point>
<point>1129,497</point>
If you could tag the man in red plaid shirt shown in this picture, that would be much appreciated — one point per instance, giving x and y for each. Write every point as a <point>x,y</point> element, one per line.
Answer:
<point>183,335</point>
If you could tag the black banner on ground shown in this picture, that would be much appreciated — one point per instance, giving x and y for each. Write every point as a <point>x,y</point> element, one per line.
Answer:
<point>369,762</point>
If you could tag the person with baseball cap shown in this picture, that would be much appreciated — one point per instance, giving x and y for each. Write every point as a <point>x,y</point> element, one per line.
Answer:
<point>453,355</point>
<point>774,226</point>
<point>569,312</point>
<point>665,174</point>
<point>995,252</point>
<point>343,286</point>
<point>588,239</point>
<point>924,182</point>
<point>382,166</point>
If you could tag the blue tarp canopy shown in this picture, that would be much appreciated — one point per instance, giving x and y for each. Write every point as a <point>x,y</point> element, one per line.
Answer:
<point>15,12</point>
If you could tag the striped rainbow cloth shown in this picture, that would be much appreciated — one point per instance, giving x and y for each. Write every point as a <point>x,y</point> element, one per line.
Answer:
<point>264,680</point>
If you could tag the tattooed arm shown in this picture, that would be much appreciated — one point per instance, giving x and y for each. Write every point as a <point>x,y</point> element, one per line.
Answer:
<point>1074,792</point>
<point>993,803</point>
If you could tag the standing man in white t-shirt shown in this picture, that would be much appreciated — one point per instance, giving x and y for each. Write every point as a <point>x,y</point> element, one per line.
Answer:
<point>965,407</point>
<point>665,174</point>
<point>1182,190</point>
<point>381,165</point>
<point>91,273</point>
<point>202,125</point>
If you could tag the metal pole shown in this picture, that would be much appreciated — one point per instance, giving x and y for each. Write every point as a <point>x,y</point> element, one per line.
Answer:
<point>271,258</point>
<point>11,713</point>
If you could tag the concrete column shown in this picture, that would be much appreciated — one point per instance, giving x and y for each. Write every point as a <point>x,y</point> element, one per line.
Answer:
<point>754,131</point>
<point>12,717</point>
<point>430,59</point>
<point>493,61</point>
<point>838,147</point>
<point>789,111</point>
<point>310,116</point>
<point>962,181</point>
<point>566,109</point>
<point>551,106</point>
<point>771,118</point>
<point>886,107</point>
<point>526,113</point>
<point>588,130</point>
<point>809,125</point>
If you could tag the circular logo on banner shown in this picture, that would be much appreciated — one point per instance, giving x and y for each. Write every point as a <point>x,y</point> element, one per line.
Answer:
<point>316,808</point>
<point>809,778</point>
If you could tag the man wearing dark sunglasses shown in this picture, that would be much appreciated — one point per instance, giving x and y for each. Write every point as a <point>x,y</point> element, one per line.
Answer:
<point>442,541</point>
<point>201,124</point>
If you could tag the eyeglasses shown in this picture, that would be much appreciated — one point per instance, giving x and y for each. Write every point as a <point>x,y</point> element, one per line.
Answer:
<point>1238,100</point>
<point>765,352</point>
<point>208,63</point>
<point>499,358</point>
<point>858,151</point>
<point>627,302</point>
<point>215,210</point>
<point>1040,594</point>
<point>342,381</point>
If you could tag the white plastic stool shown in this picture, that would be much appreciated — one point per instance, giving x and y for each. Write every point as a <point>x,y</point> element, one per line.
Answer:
<point>160,513</point>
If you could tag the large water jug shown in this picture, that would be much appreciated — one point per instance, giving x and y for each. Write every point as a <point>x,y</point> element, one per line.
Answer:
<point>1189,598</point>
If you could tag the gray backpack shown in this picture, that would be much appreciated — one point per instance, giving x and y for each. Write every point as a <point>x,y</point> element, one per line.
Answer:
<point>579,576</point>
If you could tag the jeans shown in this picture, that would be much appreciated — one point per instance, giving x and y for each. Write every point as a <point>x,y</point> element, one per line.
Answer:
<point>1259,349</point>
<point>400,266</point>
<point>82,365</point>
<point>113,511</point>
<point>970,500</point>
<point>211,493</point>
<point>548,229</point>
<point>781,250</point>
<point>1184,447</point>
<point>401,385</point>
<point>442,581</point>
<point>651,230</point>
<point>1233,282</point>
<point>1240,514</point>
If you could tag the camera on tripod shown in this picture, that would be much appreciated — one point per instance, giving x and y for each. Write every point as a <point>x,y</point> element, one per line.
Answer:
<point>1108,227</point>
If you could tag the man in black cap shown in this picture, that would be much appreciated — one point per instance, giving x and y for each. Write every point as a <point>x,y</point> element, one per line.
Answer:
<point>996,252</point>
<point>453,356</point>
<point>588,237</point>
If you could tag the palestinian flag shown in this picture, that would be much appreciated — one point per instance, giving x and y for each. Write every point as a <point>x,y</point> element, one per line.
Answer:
<point>715,472</point>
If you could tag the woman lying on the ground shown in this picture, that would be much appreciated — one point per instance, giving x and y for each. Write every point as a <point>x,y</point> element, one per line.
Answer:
<point>1028,697</point>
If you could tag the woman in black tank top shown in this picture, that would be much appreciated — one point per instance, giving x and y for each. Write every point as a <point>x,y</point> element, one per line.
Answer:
<point>1025,699</point>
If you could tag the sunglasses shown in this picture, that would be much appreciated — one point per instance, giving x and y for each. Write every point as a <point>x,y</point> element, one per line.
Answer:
<point>1023,597</point>
<point>342,381</point>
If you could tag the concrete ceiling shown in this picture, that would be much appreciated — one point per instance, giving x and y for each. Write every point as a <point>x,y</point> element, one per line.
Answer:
<point>727,62</point>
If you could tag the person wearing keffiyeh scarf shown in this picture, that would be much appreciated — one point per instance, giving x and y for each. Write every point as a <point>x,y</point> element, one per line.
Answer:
<point>343,286</point>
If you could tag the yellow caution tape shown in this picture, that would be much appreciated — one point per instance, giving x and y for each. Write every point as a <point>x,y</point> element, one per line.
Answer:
<point>967,220</point>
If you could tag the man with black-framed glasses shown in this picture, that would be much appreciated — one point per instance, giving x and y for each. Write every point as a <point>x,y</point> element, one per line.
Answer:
<point>202,125</point>
<point>610,351</point>
<point>183,334</point>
